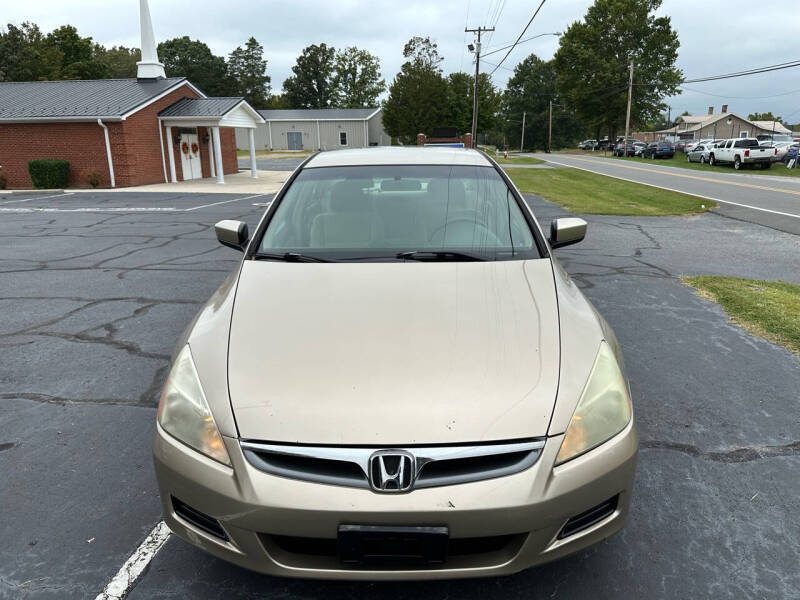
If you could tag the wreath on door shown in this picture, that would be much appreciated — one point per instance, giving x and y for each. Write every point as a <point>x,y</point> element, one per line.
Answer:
<point>195,148</point>
<point>185,148</point>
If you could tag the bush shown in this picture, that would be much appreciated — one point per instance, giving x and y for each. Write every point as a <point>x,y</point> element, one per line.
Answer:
<point>49,173</point>
<point>93,178</point>
<point>3,181</point>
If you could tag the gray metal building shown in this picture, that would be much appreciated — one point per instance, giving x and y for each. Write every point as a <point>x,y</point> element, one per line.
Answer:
<point>318,129</point>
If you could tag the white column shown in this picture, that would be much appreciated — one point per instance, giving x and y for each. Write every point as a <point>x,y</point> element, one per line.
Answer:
<point>171,152</point>
<point>269,126</point>
<point>218,155</point>
<point>213,171</point>
<point>319,139</point>
<point>253,165</point>
<point>366,139</point>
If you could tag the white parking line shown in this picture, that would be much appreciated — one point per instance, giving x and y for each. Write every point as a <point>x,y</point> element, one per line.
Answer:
<point>669,189</point>
<point>122,582</point>
<point>116,209</point>
<point>36,198</point>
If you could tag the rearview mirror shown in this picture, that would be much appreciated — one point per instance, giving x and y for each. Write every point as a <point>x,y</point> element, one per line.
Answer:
<point>233,234</point>
<point>564,232</point>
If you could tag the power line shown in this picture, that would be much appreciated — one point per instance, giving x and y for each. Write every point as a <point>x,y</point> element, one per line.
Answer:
<point>536,12</point>
<point>521,42</point>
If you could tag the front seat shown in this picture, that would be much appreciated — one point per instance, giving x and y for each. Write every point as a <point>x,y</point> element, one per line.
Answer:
<point>349,221</point>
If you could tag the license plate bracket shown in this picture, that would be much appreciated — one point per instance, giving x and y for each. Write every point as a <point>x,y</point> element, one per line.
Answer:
<point>372,545</point>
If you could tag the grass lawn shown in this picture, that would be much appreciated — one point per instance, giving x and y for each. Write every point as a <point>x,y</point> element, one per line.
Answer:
<point>679,160</point>
<point>769,309</point>
<point>588,193</point>
<point>518,160</point>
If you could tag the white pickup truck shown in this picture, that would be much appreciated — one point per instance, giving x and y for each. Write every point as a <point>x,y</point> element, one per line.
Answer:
<point>740,152</point>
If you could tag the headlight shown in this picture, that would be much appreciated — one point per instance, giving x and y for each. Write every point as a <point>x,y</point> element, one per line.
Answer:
<point>183,411</point>
<point>603,411</point>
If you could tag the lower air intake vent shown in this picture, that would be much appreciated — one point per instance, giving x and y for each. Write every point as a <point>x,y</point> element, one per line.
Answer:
<point>200,520</point>
<point>590,517</point>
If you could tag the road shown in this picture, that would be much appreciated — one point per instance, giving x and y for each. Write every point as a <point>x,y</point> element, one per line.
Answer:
<point>764,199</point>
<point>96,290</point>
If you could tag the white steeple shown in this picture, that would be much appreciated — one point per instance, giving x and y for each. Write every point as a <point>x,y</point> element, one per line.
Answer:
<point>149,67</point>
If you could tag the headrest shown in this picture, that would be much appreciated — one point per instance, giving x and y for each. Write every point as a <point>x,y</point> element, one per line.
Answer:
<point>348,196</point>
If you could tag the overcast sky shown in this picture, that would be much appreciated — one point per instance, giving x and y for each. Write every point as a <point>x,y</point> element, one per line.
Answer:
<point>717,36</point>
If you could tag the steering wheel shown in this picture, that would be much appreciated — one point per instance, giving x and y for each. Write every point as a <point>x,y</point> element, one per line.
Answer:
<point>490,235</point>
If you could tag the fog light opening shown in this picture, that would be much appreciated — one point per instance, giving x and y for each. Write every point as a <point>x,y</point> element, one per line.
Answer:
<point>588,518</point>
<point>200,520</point>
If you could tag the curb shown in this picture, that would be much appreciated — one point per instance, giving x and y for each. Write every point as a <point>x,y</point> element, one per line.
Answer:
<point>30,192</point>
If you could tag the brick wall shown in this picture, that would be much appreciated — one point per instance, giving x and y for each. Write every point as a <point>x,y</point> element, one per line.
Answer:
<point>134,148</point>
<point>82,144</point>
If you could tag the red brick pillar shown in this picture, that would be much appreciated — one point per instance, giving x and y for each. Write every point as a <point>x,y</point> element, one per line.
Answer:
<point>421,139</point>
<point>468,140</point>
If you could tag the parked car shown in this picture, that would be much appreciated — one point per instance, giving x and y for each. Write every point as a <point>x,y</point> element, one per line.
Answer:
<point>791,153</point>
<point>306,427</point>
<point>587,144</point>
<point>741,152</point>
<point>638,148</point>
<point>691,145</point>
<point>659,150</point>
<point>603,144</point>
<point>777,137</point>
<point>631,148</point>
<point>699,153</point>
<point>781,148</point>
<point>680,146</point>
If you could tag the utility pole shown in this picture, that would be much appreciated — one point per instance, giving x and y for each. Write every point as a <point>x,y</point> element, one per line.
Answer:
<point>550,130</point>
<point>628,115</point>
<point>522,141</point>
<point>477,49</point>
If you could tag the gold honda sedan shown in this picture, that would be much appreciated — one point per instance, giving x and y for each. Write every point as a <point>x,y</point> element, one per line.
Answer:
<point>399,381</point>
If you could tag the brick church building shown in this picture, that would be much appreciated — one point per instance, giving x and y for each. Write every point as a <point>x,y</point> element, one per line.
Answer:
<point>151,129</point>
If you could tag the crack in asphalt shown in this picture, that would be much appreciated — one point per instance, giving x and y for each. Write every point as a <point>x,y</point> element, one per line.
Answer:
<point>736,455</point>
<point>61,400</point>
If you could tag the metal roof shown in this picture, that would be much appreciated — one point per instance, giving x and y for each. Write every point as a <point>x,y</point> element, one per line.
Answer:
<point>201,107</point>
<point>399,155</point>
<point>78,100</point>
<point>319,114</point>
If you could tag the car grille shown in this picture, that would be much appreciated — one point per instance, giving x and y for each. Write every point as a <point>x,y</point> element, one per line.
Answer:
<point>433,465</point>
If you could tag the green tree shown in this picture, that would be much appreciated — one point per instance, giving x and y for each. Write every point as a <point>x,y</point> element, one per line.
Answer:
<point>417,99</point>
<point>278,101</point>
<point>357,81</point>
<point>120,61</point>
<point>24,55</point>
<point>530,91</point>
<point>80,57</point>
<point>767,116</point>
<point>183,57</point>
<point>594,54</point>
<point>248,68</point>
<point>460,91</point>
<point>312,86</point>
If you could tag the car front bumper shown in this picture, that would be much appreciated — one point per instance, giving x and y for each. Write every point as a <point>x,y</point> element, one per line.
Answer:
<point>519,516</point>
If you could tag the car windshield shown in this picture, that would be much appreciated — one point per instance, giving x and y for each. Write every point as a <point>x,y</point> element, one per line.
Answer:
<point>394,212</point>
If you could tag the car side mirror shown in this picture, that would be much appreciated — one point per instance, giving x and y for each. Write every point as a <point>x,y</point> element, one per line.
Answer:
<point>233,234</point>
<point>564,232</point>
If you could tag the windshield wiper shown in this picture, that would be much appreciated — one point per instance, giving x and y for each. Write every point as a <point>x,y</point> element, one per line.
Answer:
<point>438,255</point>
<point>290,257</point>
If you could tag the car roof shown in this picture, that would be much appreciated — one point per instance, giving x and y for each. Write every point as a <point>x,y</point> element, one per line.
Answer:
<point>399,155</point>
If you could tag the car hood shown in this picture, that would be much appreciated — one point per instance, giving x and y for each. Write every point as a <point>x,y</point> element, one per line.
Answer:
<point>394,353</point>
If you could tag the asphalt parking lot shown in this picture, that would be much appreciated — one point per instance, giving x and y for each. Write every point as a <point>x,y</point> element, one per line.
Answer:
<point>96,288</point>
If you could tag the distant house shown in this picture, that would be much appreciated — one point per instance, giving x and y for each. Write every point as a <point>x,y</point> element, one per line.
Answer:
<point>318,129</point>
<point>714,125</point>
